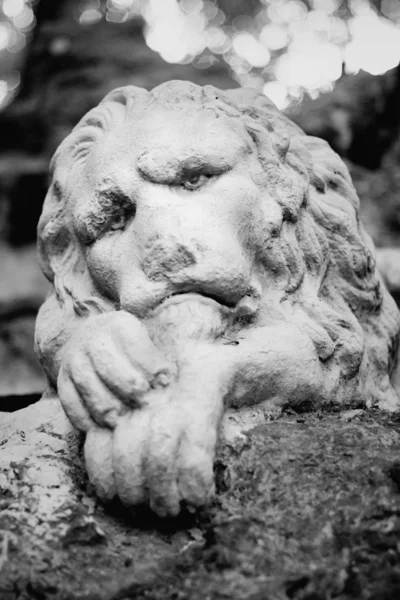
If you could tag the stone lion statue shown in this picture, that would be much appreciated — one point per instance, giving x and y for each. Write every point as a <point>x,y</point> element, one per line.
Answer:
<point>206,259</point>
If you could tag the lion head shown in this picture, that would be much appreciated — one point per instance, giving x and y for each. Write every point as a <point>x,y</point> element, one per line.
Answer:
<point>188,189</point>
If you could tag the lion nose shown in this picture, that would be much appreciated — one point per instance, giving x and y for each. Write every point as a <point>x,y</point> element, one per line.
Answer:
<point>166,258</point>
<point>189,267</point>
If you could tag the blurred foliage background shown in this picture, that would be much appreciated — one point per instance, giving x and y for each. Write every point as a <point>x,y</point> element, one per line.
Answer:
<point>285,48</point>
<point>332,65</point>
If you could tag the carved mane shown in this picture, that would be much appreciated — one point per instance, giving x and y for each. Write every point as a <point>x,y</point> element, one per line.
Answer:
<point>330,286</point>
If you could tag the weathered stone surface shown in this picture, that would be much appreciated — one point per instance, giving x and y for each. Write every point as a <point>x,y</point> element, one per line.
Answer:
<point>205,255</point>
<point>47,519</point>
<point>307,507</point>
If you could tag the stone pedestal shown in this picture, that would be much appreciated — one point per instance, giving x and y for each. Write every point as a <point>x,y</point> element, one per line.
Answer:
<point>307,506</point>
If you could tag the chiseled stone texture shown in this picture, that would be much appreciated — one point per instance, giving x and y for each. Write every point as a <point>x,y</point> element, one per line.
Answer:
<point>208,269</point>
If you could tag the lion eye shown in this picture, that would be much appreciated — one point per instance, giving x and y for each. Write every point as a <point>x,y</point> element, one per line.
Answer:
<point>121,217</point>
<point>195,181</point>
<point>118,222</point>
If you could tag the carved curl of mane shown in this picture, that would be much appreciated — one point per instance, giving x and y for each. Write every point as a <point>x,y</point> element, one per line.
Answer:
<point>326,260</point>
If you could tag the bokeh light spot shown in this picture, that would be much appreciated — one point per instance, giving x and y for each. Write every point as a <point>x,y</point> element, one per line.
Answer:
<point>3,91</point>
<point>13,8</point>
<point>276,92</point>
<point>375,45</point>
<point>25,20</point>
<point>90,16</point>
<point>17,42</point>
<point>122,4</point>
<point>327,6</point>
<point>4,35</point>
<point>274,37</point>
<point>284,47</point>
<point>309,65</point>
<point>246,46</point>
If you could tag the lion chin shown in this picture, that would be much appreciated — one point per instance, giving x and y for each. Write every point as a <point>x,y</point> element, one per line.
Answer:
<point>208,268</point>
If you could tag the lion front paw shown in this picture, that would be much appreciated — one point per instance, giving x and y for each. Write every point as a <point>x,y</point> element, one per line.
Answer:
<point>160,455</point>
<point>108,367</point>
